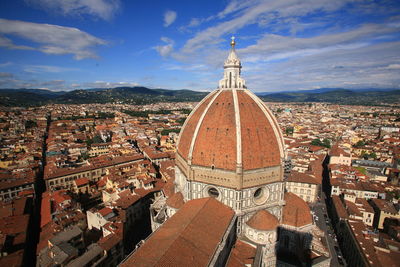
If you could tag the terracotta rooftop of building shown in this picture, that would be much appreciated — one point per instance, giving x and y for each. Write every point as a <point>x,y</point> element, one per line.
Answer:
<point>263,220</point>
<point>81,181</point>
<point>339,207</point>
<point>15,207</point>
<point>169,188</point>
<point>60,196</point>
<point>105,211</point>
<point>299,177</point>
<point>189,238</point>
<point>296,211</point>
<point>96,163</point>
<point>175,201</point>
<point>13,259</point>
<point>110,241</point>
<point>358,229</point>
<point>127,199</point>
<point>352,209</point>
<point>242,254</point>
<point>337,151</point>
<point>388,259</point>
<point>384,205</point>
<point>45,209</point>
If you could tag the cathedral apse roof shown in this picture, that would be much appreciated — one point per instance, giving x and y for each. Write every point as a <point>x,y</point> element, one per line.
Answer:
<point>296,211</point>
<point>189,238</point>
<point>263,221</point>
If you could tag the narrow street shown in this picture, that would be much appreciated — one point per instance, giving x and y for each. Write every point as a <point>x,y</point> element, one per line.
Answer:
<point>323,222</point>
<point>30,259</point>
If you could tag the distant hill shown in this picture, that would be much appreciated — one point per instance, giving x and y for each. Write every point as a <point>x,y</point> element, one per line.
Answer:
<point>337,96</point>
<point>326,90</point>
<point>141,95</point>
<point>128,95</point>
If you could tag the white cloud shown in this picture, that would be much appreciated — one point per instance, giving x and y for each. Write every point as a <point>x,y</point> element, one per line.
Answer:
<point>252,12</point>
<point>327,53</point>
<point>104,9</point>
<point>232,7</point>
<point>10,81</point>
<point>169,17</point>
<point>52,39</point>
<point>52,84</point>
<point>6,75</point>
<point>47,68</point>
<point>5,64</point>
<point>187,67</point>
<point>166,49</point>
<point>5,42</point>
<point>347,68</point>
<point>273,46</point>
<point>393,67</point>
<point>103,84</point>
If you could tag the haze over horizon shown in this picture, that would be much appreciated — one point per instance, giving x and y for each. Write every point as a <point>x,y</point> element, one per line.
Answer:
<point>283,45</point>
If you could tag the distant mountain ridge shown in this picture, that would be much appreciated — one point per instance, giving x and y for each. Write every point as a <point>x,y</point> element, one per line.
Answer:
<point>328,89</point>
<point>139,95</point>
<point>128,95</point>
<point>337,96</point>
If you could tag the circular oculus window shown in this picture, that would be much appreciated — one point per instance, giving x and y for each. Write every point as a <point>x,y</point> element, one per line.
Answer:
<point>213,192</point>
<point>260,196</point>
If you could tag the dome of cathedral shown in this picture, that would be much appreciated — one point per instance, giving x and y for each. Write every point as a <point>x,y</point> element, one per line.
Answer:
<point>231,129</point>
<point>263,220</point>
<point>296,211</point>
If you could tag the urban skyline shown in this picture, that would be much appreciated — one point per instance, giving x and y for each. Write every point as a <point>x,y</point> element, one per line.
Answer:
<point>228,181</point>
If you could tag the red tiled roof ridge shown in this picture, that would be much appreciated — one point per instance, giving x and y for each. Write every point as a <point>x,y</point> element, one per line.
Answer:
<point>205,201</point>
<point>199,205</point>
<point>105,211</point>
<point>175,201</point>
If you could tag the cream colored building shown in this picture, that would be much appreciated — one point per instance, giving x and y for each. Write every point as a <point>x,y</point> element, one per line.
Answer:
<point>99,149</point>
<point>64,178</point>
<point>340,156</point>
<point>306,186</point>
<point>383,209</point>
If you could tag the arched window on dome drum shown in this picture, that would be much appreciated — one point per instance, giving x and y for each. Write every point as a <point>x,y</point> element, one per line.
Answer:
<point>230,79</point>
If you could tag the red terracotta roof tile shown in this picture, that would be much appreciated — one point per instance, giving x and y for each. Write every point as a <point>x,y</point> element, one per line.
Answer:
<point>105,211</point>
<point>175,201</point>
<point>259,143</point>
<point>263,220</point>
<point>189,238</point>
<point>190,126</point>
<point>296,211</point>
<point>81,181</point>
<point>242,254</point>
<point>216,140</point>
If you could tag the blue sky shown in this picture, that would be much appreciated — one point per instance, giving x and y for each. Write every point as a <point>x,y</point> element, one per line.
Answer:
<point>283,45</point>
